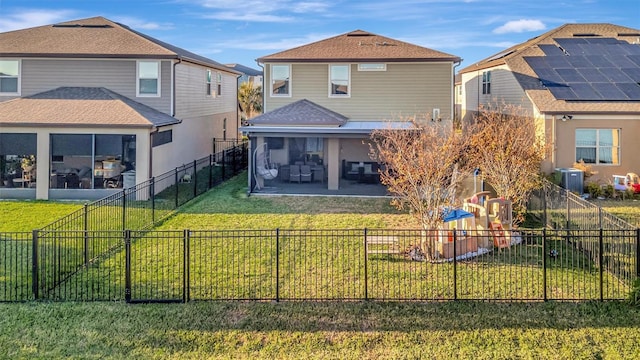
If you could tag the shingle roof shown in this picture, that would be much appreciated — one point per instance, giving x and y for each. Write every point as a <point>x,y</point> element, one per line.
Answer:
<point>300,113</point>
<point>359,46</point>
<point>244,69</point>
<point>92,38</point>
<point>542,98</point>
<point>81,106</point>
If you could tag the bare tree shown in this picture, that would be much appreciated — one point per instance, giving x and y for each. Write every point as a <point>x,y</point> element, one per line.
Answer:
<point>422,169</point>
<point>508,147</point>
<point>250,98</point>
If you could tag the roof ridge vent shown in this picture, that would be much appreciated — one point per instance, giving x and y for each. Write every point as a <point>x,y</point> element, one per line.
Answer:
<point>92,26</point>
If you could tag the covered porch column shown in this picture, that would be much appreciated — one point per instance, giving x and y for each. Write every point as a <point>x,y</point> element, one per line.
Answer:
<point>43,158</point>
<point>333,164</point>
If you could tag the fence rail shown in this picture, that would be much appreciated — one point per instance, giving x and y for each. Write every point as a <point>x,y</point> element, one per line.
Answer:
<point>341,264</point>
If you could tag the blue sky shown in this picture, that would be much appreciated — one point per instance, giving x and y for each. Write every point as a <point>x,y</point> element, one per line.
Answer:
<point>239,31</point>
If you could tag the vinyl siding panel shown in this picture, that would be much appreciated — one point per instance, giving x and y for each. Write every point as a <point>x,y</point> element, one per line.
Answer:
<point>403,89</point>
<point>191,97</point>
<point>116,75</point>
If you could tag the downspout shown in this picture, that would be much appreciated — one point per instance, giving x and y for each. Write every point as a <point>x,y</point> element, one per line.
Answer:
<point>173,88</point>
<point>238,137</point>
<point>264,89</point>
<point>453,98</point>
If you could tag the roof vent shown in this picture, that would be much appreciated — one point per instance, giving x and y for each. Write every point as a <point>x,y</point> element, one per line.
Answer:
<point>104,26</point>
<point>628,34</point>
<point>585,35</point>
<point>359,33</point>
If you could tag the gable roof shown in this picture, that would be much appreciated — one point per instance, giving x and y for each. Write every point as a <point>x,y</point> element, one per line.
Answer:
<point>515,59</point>
<point>95,37</point>
<point>245,69</point>
<point>300,113</point>
<point>81,106</point>
<point>359,46</point>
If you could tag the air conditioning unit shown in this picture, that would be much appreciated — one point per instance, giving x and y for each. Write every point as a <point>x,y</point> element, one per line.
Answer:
<point>571,179</point>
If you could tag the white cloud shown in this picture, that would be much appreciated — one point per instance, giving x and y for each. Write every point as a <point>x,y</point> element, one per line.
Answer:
<point>28,18</point>
<point>139,24</point>
<point>261,10</point>
<point>518,26</point>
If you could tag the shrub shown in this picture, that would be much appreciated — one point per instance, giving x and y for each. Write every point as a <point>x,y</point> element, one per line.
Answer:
<point>593,189</point>
<point>634,295</point>
<point>608,191</point>
<point>586,169</point>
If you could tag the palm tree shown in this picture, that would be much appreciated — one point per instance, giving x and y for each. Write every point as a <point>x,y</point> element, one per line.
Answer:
<point>250,98</point>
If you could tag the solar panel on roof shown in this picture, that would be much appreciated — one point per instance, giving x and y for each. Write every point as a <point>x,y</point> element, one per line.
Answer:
<point>571,76</point>
<point>609,91</point>
<point>615,75</point>
<point>558,62</point>
<point>579,62</point>
<point>551,50</point>
<point>621,61</point>
<point>634,58</point>
<point>599,61</point>
<point>631,90</point>
<point>633,73</point>
<point>592,75</point>
<point>585,91</point>
<point>563,93</point>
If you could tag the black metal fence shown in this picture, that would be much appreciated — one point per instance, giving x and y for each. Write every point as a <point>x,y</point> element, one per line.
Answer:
<point>144,205</point>
<point>343,265</point>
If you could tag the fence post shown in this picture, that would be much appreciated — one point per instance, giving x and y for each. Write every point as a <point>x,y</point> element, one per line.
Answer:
<point>214,145</point>
<point>124,209</point>
<point>277,264</point>
<point>567,192</point>
<point>637,252</point>
<point>455,266</point>
<point>127,266</point>
<point>544,264</point>
<point>366,270</point>
<point>600,217</point>
<point>601,263</point>
<point>186,275</point>
<point>195,178</point>
<point>224,161</point>
<point>235,161</point>
<point>34,264</point>
<point>545,219</point>
<point>153,200</point>
<point>177,184</point>
<point>86,235</point>
<point>210,171</point>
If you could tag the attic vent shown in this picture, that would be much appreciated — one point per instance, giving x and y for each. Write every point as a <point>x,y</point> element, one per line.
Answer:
<point>501,55</point>
<point>384,43</point>
<point>105,26</point>
<point>359,33</point>
<point>585,35</point>
<point>628,34</point>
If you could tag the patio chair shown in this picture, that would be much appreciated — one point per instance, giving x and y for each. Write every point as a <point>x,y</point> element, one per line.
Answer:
<point>294,173</point>
<point>305,173</point>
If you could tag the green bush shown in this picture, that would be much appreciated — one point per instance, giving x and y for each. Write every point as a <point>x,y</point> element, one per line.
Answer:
<point>593,189</point>
<point>608,191</point>
<point>634,295</point>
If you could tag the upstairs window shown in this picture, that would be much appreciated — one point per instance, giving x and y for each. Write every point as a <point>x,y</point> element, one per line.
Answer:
<point>9,76</point>
<point>280,80</point>
<point>339,80</point>
<point>148,78</point>
<point>598,146</point>
<point>486,82</point>
<point>208,82</point>
<point>219,83</point>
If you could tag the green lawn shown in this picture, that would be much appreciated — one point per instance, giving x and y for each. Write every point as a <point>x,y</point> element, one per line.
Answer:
<point>628,210</point>
<point>221,330</point>
<point>30,215</point>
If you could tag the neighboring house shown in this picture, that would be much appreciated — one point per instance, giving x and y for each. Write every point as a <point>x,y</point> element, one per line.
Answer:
<point>323,100</point>
<point>581,84</point>
<point>98,106</point>
<point>248,74</point>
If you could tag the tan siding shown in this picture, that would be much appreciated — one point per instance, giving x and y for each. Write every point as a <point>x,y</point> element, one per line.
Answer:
<point>191,97</point>
<point>404,89</point>
<point>116,75</point>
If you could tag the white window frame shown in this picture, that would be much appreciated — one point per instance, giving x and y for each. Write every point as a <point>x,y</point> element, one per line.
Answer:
<point>486,82</point>
<point>271,94</point>
<point>218,84</point>
<point>19,85</point>
<point>207,81</point>
<point>365,67</point>
<point>348,94</point>
<point>597,146</point>
<point>158,93</point>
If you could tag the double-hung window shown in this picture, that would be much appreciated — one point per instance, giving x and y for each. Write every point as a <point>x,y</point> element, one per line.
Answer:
<point>148,78</point>
<point>339,81</point>
<point>208,82</point>
<point>9,77</point>
<point>486,82</point>
<point>219,83</point>
<point>280,80</point>
<point>598,146</point>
